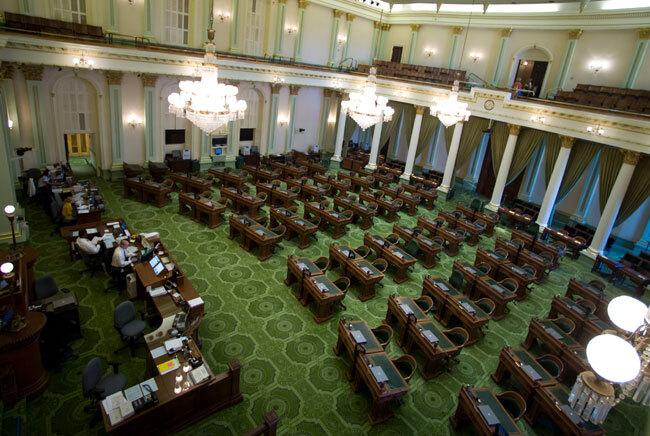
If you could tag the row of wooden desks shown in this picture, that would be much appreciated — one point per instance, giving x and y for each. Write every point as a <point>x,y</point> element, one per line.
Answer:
<point>289,170</point>
<point>359,183</point>
<point>329,218</point>
<point>371,367</point>
<point>489,219</point>
<point>146,191</point>
<point>427,195</point>
<point>313,286</point>
<point>410,201</point>
<point>312,167</point>
<point>518,219</point>
<point>262,174</point>
<point>386,207</point>
<point>481,407</point>
<point>296,226</point>
<point>452,238</point>
<point>357,268</point>
<point>253,234</point>
<point>590,293</point>
<point>276,195</point>
<point>336,186</point>
<point>242,202</point>
<point>190,183</point>
<point>428,249</point>
<point>109,230</point>
<point>455,221</point>
<point>396,257</point>
<point>621,271</point>
<point>419,180</point>
<point>201,209</point>
<point>501,268</point>
<point>362,214</point>
<point>519,255</point>
<point>587,325</point>
<point>308,191</point>
<point>535,244</point>
<point>575,244</point>
<point>228,178</point>
<point>452,304</point>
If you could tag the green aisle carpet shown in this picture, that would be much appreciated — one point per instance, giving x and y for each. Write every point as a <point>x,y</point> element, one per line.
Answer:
<point>288,362</point>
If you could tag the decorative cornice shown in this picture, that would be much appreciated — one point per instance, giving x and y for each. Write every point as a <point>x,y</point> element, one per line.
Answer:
<point>327,92</point>
<point>514,129</point>
<point>232,82</point>
<point>7,70</point>
<point>302,4</point>
<point>419,110</point>
<point>415,27</point>
<point>113,77</point>
<point>275,88</point>
<point>457,30</point>
<point>506,32</point>
<point>350,17</point>
<point>631,157</point>
<point>566,141</point>
<point>644,33</point>
<point>283,2</point>
<point>149,80</point>
<point>337,13</point>
<point>32,72</point>
<point>575,33</point>
<point>293,89</point>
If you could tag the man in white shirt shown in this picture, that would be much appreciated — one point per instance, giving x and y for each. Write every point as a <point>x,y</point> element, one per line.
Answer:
<point>86,245</point>
<point>121,256</point>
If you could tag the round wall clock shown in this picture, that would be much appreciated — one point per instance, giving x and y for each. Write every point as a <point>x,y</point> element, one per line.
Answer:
<point>488,105</point>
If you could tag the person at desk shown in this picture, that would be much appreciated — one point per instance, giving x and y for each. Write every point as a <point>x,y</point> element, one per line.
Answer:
<point>67,212</point>
<point>121,258</point>
<point>87,245</point>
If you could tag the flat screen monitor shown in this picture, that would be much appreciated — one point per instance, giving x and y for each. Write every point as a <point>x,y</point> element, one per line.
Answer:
<point>158,268</point>
<point>220,140</point>
<point>246,134</point>
<point>154,260</point>
<point>175,136</point>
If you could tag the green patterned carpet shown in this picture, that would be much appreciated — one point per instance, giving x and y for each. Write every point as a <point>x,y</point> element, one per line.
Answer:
<point>288,362</point>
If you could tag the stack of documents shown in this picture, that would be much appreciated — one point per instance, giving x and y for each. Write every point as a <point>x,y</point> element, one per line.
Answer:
<point>117,407</point>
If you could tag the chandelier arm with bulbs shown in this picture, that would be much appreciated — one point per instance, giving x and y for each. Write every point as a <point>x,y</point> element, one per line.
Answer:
<point>366,108</point>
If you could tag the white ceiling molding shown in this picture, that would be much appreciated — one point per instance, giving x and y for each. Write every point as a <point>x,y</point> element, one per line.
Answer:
<point>627,132</point>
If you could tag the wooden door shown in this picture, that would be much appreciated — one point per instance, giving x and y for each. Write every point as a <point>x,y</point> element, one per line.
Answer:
<point>397,54</point>
<point>487,178</point>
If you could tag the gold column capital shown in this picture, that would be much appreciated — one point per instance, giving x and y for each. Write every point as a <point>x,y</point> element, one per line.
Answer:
<point>377,24</point>
<point>327,92</point>
<point>415,27</point>
<point>506,32</point>
<point>575,33</point>
<point>282,2</point>
<point>232,82</point>
<point>631,157</point>
<point>113,77</point>
<point>302,4</point>
<point>32,72</point>
<point>419,110</point>
<point>6,70</point>
<point>644,33</point>
<point>350,17</point>
<point>337,13</point>
<point>149,80</point>
<point>514,129</point>
<point>275,88</point>
<point>293,89</point>
<point>566,141</point>
<point>385,26</point>
<point>457,30</point>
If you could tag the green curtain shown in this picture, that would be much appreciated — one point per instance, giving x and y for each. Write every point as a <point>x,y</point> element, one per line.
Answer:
<point>637,192</point>
<point>552,149</point>
<point>350,127</point>
<point>408,116</point>
<point>427,130</point>
<point>498,140</point>
<point>611,160</point>
<point>470,139</point>
<point>389,128</point>
<point>527,143</point>
<point>582,154</point>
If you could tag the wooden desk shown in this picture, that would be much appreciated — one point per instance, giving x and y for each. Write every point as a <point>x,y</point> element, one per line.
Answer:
<point>415,180</point>
<point>527,373</point>
<point>574,244</point>
<point>587,326</point>
<point>298,268</point>
<point>296,226</point>
<point>516,273</point>
<point>241,201</point>
<point>312,167</point>
<point>470,275</point>
<point>490,258</point>
<point>253,234</point>
<point>427,196</point>
<point>70,234</point>
<point>402,311</point>
<point>347,342</point>
<point>590,293</point>
<point>329,218</point>
<point>276,195</point>
<point>262,174</point>
<point>227,178</point>
<point>552,403</point>
<point>620,272</point>
<point>359,183</point>
<point>359,270</point>
<point>201,209</point>
<point>473,230</point>
<point>146,191</point>
<point>289,170</point>
<point>516,219</point>
<point>308,192</point>
<point>361,214</point>
<point>469,400</point>
<point>382,177</point>
<point>489,219</point>
<point>436,354</point>
<point>387,208</point>
<point>410,201</point>
<point>538,246</point>
<point>427,249</point>
<point>324,294</point>
<point>453,239</point>
<point>192,183</point>
<point>487,287</point>
<point>384,394</point>
<point>397,258</point>
<point>336,187</point>
<point>522,256</point>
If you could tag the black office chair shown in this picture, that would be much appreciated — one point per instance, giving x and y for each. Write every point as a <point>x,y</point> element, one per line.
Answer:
<point>456,280</point>
<point>128,326</point>
<point>118,280</point>
<point>46,287</point>
<point>93,262</point>
<point>96,386</point>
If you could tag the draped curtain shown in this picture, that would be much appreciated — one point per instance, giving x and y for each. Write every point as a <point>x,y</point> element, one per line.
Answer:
<point>553,144</point>
<point>408,116</point>
<point>470,139</point>
<point>389,128</point>
<point>582,154</point>
<point>611,160</point>
<point>527,143</point>
<point>427,130</point>
<point>498,140</point>
<point>350,127</point>
<point>637,192</point>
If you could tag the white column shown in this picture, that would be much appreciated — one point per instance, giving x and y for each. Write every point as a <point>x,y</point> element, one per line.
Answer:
<point>374,44</point>
<point>324,115</point>
<point>565,66</point>
<point>148,19</point>
<point>206,150</point>
<point>501,55</point>
<point>374,148</point>
<point>234,27</point>
<point>638,58</point>
<point>340,131</point>
<point>334,36</point>
<point>383,35</point>
<point>279,27</point>
<point>554,182</point>
<point>415,28</point>
<point>504,168</point>
<point>293,94</point>
<point>150,117</point>
<point>114,80</point>
<point>273,119</point>
<point>613,205</point>
<point>413,143</point>
<point>297,47</point>
<point>349,18</point>
<point>455,42</point>
<point>233,143</point>
<point>448,175</point>
<point>37,104</point>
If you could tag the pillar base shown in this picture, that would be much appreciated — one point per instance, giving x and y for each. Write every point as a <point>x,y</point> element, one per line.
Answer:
<point>492,207</point>
<point>405,176</point>
<point>117,171</point>
<point>371,167</point>
<point>336,158</point>
<point>335,165</point>
<point>591,253</point>
<point>577,218</point>
<point>205,162</point>
<point>229,162</point>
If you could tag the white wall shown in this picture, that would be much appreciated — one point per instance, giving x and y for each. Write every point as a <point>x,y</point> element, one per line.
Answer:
<point>308,103</point>
<point>133,104</point>
<point>360,40</point>
<point>317,30</point>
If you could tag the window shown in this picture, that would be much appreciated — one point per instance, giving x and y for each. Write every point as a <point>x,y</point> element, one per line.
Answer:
<point>177,19</point>
<point>75,107</point>
<point>254,28</point>
<point>70,10</point>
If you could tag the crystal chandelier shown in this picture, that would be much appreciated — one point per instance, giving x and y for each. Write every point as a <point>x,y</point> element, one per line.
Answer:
<point>616,361</point>
<point>449,110</point>
<point>207,103</point>
<point>365,107</point>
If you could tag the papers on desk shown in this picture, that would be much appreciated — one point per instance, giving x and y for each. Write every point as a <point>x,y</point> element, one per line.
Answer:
<point>428,334</point>
<point>398,254</point>
<point>322,287</point>
<point>358,337</point>
<point>554,333</point>
<point>406,308</point>
<point>259,232</point>
<point>442,286</point>
<point>366,270</point>
<point>168,366</point>
<point>133,393</point>
<point>379,374</point>
<point>174,345</point>
<point>199,374</point>
<point>149,386</point>
<point>109,239</point>
<point>113,224</point>
<point>345,252</point>
<point>157,291</point>
<point>92,231</point>
<point>159,351</point>
<point>131,250</point>
<point>300,222</point>
<point>488,414</point>
<point>534,375</point>
<point>195,302</point>
<point>75,233</point>
<point>468,307</point>
<point>117,407</point>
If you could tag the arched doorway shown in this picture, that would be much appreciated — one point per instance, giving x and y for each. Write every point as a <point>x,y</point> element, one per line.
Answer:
<point>530,68</point>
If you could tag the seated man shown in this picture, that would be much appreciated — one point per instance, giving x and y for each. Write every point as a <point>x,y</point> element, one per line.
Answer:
<point>87,245</point>
<point>121,258</point>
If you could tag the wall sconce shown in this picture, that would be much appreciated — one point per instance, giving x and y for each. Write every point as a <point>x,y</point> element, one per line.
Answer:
<point>10,123</point>
<point>341,40</point>
<point>283,120</point>
<point>538,119</point>
<point>134,121</point>
<point>428,52</point>
<point>331,120</point>
<point>525,63</point>
<point>291,29</point>
<point>223,16</point>
<point>596,66</point>
<point>475,57</point>
<point>595,130</point>
<point>131,2</point>
<point>83,62</point>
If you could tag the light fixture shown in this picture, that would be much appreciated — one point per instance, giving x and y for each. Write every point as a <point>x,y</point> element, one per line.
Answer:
<point>283,120</point>
<point>291,29</point>
<point>331,119</point>
<point>538,119</point>
<point>10,213</point>
<point>10,123</point>
<point>597,65</point>
<point>366,108</point>
<point>131,2</point>
<point>428,52</point>
<point>341,40</point>
<point>6,269</point>
<point>525,63</point>
<point>475,57</point>
<point>134,121</point>
<point>449,110</point>
<point>83,62</point>
<point>207,103</point>
<point>627,313</point>
<point>595,130</point>
<point>223,16</point>
<point>277,80</point>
